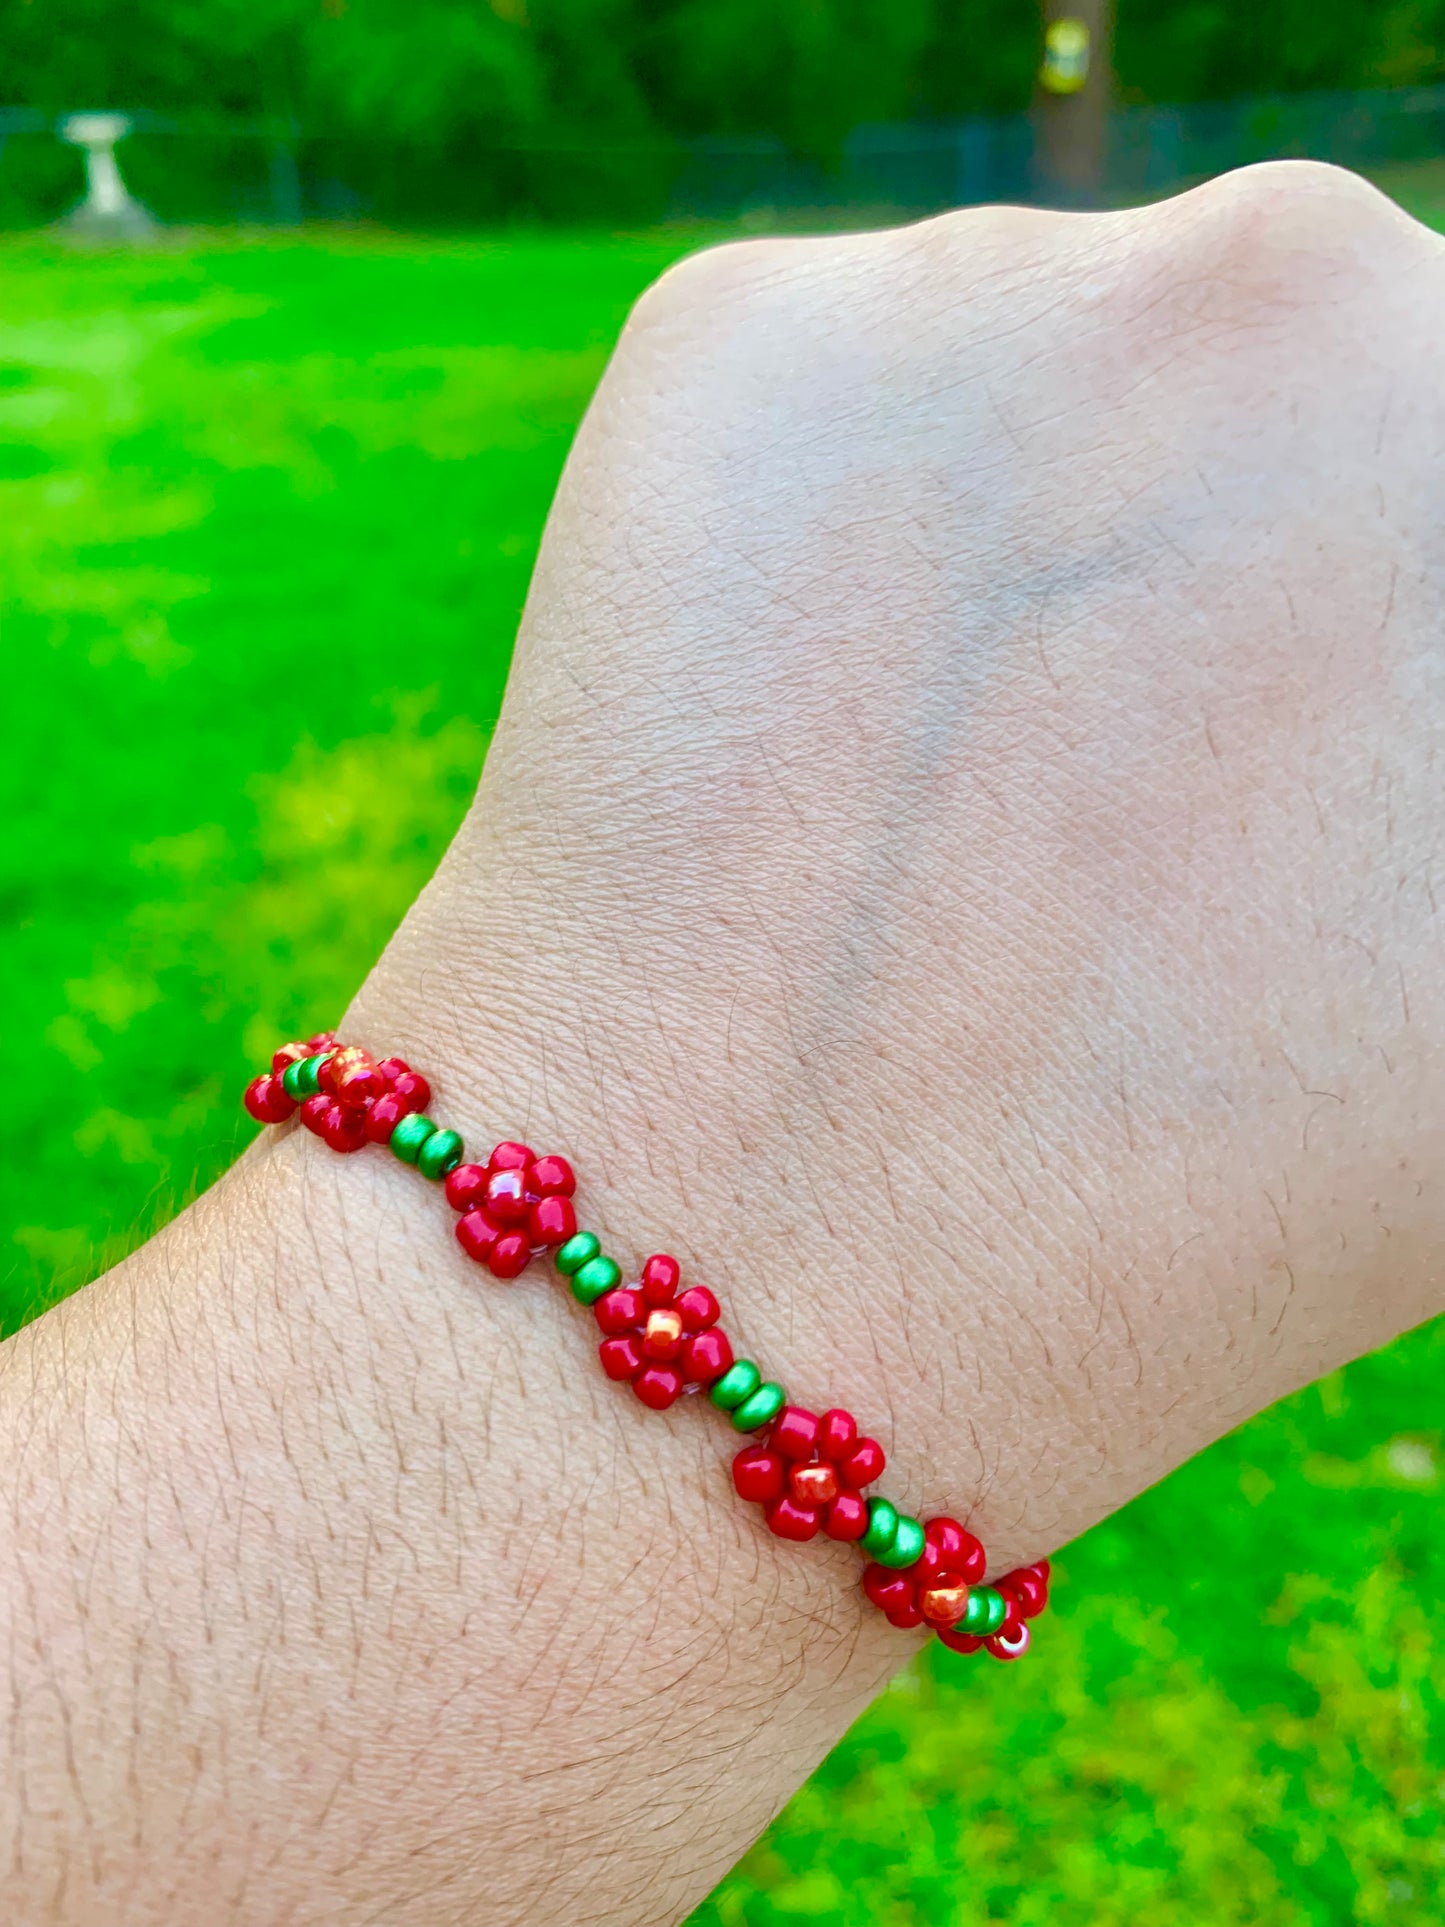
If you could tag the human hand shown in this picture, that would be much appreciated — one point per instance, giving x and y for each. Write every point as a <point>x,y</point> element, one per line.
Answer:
<point>962,831</point>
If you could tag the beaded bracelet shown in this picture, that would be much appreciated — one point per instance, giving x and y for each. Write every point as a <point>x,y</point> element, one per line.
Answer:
<point>807,1471</point>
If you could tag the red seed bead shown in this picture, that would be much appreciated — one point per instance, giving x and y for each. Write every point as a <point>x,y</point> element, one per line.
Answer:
<point>506,1196</point>
<point>947,1543</point>
<point>698,1307</point>
<point>509,1255</point>
<point>794,1433</point>
<point>392,1068</point>
<point>510,1157</point>
<point>814,1486</point>
<point>384,1116</point>
<point>358,1087</point>
<point>707,1357</point>
<point>289,1054</point>
<point>660,1277</point>
<point>323,1040</point>
<point>465,1187</point>
<point>789,1520</point>
<point>863,1465</point>
<point>1026,1590</point>
<point>476,1234</point>
<point>662,1334</point>
<point>551,1178</point>
<point>657,1386</point>
<point>345,1130</point>
<point>620,1310</point>
<point>314,1110</point>
<point>946,1536</point>
<point>1010,1644</point>
<point>621,1357</point>
<point>411,1091</point>
<point>551,1221</point>
<point>267,1101</point>
<point>847,1517</point>
<point>758,1475</point>
<point>887,1589</point>
<point>837,1434</point>
<point>337,1061</point>
<point>905,1619</point>
<point>960,1642</point>
<point>942,1598</point>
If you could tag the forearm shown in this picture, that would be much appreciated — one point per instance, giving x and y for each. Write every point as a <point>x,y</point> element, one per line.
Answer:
<point>342,1585</point>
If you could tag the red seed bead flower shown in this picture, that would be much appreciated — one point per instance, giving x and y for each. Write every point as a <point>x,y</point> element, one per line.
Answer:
<point>933,1591</point>
<point>513,1206</point>
<point>810,1474</point>
<point>661,1341</point>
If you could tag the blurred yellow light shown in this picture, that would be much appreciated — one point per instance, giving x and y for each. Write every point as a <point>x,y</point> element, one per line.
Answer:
<point>1066,57</point>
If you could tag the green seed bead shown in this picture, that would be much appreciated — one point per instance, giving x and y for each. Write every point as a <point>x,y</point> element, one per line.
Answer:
<point>597,1276</point>
<point>737,1384</point>
<point>410,1135</point>
<point>984,1614</point>
<point>907,1546</point>
<point>441,1153</point>
<point>761,1408</point>
<point>300,1080</point>
<point>882,1524</point>
<point>577,1252</point>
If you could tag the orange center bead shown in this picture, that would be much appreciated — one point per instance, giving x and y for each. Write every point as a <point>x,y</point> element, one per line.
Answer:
<point>814,1485</point>
<point>942,1604</point>
<point>662,1333</point>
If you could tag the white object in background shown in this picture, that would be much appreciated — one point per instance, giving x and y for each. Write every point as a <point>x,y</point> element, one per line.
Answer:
<point>109,210</point>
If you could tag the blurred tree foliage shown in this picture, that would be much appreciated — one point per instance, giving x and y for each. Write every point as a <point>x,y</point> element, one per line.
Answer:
<point>498,72</point>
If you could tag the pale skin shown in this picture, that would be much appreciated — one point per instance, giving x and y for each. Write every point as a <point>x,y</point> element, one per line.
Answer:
<point>959,866</point>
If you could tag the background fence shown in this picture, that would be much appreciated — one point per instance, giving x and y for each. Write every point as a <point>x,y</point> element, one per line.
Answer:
<point>215,170</point>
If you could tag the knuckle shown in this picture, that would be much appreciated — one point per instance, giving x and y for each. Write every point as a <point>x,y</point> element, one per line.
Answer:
<point>1257,249</point>
<point>1294,217</point>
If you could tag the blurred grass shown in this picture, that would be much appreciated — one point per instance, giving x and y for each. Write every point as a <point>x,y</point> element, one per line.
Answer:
<point>267,511</point>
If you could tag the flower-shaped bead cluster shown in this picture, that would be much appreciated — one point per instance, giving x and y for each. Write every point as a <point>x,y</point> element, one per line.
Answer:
<point>943,1589</point>
<point>661,1340</point>
<point>810,1473</point>
<point>513,1207</point>
<point>357,1100</point>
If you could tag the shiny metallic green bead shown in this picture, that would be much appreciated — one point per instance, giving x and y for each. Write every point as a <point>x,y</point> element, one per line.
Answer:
<point>441,1153</point>
<point>882,1524</point>
<point>907,1546</point>
<point>737,1384</point>
<point>597,1276</point>
<point>410,1135</point>
<point>760,1407</point>
<point>984,1613</point>
<point>577,1252</point>
<point>299,1080</point>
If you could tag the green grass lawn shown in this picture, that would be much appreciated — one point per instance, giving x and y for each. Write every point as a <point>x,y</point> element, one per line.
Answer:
<point>267,511</point>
